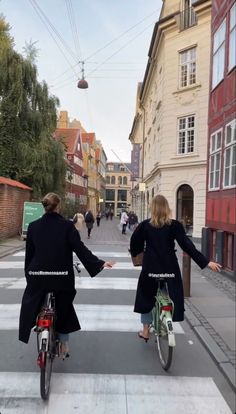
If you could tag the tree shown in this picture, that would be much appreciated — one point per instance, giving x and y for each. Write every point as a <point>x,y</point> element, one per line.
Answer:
<point>30,51</point>
<point>28,151</point>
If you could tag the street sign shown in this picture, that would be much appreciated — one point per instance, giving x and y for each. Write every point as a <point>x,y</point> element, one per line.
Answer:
<point>32,211</point>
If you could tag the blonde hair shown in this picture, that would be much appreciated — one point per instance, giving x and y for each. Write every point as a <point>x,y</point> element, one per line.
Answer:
<point>160,211</point>
<point>50,202</point>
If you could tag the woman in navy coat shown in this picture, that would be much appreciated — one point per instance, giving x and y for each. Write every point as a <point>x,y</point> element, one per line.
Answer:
<point>50,244</point>
<point>156,237</point>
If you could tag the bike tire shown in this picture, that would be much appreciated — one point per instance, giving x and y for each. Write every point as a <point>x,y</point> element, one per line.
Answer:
<point>165,352</point>
<point>45,376</point>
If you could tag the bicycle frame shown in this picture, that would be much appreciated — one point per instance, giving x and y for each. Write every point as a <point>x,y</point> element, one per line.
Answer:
<point>163,326</point>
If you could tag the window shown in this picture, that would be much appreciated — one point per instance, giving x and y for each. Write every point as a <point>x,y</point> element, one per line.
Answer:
<point>218,55</point>
<point>120,180</point>
<point>232,37</point>
<point>122,195</point>
<point>108,179</point>
<point>229,251</point>
<point>124,180</point>
<point>230,155</point>
<point>110,167</point>
<point>186,130</point>
<point>110,195</point>
<point>188,16</point>
<point>113,179</point>
<point>187,67</point>
<point>122,168</point>
<point>215,153</point>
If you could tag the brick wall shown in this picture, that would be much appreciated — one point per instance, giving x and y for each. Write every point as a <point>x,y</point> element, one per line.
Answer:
<point>11,209</point>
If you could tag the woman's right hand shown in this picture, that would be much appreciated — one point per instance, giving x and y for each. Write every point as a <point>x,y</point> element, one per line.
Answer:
<point>216,267</point>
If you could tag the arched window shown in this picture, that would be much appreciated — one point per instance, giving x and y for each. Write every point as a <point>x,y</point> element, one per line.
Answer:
<point>124,180</point>
<point>113,179</point>
<point>108,179</point>
<point>185,207</point>
<point>120,180</point>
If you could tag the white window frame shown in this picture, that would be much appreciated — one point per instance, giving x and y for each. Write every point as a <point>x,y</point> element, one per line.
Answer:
<point>188,64</point>
<point>229,146</point>
<point>232,38</point>
<point>218,48</point>
<point>214,152</point>
<point>186,130</point>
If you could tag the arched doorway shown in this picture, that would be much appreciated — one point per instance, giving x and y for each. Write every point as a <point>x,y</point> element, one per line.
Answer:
<point>185,207</point>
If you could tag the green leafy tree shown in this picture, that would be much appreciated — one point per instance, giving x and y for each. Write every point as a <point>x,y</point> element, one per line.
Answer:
<point>28,151</point>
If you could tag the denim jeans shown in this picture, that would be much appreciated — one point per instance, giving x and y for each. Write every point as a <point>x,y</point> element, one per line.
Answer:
<point>63,337</point>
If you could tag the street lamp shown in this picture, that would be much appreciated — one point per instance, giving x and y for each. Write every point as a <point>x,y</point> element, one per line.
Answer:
<point>82,84</point>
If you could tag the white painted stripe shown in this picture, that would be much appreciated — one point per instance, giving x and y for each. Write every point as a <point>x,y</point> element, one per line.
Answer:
<point>99,254</point>
<point>117,266</point>
<point>106,318</point>
<point>114,283</point>
<point>113,394</point>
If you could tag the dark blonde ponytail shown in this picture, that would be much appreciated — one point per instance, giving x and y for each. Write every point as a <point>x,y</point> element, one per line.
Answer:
<point>50,202</point>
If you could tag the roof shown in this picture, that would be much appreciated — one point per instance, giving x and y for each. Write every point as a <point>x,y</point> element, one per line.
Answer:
<point>14,183</point>
<point>70,137</point>
<point>88,137</point>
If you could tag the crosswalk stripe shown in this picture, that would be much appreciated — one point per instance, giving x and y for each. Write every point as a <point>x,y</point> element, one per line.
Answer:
<point>117,266</point>
<point>116,394</point>
<point>114,283</point>
<point>99,254</point>
<point>106,318</point>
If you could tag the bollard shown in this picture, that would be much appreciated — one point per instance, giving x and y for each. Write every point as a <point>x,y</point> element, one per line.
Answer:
<point>186,270</point>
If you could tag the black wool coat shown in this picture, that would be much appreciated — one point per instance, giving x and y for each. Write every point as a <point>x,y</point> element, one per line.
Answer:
<point>50,244</point>
<point>158,245</point>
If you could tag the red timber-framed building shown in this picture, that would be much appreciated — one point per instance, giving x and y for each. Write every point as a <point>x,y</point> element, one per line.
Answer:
<point>219,236</point>
<point>76,185</point>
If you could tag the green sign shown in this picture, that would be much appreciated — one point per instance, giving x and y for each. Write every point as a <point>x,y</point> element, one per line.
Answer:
<point>32,211</point>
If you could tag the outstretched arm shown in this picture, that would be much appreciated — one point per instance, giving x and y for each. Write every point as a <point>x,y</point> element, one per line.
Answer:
<point>188,247</point>
<point>92,263</point>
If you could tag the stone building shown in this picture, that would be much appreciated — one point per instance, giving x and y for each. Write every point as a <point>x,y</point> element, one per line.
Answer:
<point>170,123</point>
<point>118,187</point>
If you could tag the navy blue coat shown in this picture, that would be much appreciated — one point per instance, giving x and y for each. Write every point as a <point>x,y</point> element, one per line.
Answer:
<point>50,244</point>
<point>158,245</point>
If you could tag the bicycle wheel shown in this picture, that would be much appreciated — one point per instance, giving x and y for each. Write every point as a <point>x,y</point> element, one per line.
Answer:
<point>46,366</point>
<point>165,351</point>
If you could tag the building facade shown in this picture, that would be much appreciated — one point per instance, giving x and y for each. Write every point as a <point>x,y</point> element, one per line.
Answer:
<point>90,168</point>
<point>101,160</point>
<point>219,236</point>
<point>170,123</point>
<point>118,187</point>
<point>76,188</point>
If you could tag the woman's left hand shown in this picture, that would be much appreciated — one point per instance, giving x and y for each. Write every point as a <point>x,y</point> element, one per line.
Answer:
<point>109,265</point>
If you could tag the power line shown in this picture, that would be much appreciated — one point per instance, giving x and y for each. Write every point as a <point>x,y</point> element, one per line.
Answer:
<point>106,60</point>
<point>43,19</point>
<point>112,41</point>
<point>75,35</point>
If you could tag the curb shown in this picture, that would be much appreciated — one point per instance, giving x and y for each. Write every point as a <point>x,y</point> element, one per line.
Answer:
<point>221,359</point>
<point>11,251</point>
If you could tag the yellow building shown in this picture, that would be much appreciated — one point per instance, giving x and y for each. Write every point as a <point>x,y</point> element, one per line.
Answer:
<point>118,187</point>
<point>90,168</point>
<point>171,116</point>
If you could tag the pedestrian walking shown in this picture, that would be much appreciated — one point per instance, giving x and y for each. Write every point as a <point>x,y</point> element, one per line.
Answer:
<point>111,214</point>
<point>133,220</point>
<point>123,221</point>
<point>89,221</point>
<point>78,221</point>
<point>98,218</point>
<point>50,242</point>
<point>156,238</point>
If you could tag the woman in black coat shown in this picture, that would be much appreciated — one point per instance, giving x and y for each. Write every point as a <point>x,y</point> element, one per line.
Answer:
<point>156,237</point>
<point>89,220</point>
<point>50,244</point>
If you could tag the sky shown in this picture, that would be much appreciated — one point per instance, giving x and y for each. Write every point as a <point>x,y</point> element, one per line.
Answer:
<point>112,37</point>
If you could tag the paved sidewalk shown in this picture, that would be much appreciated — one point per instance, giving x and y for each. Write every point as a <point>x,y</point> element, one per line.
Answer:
<point>210,310</point>
<point>10,246</point>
